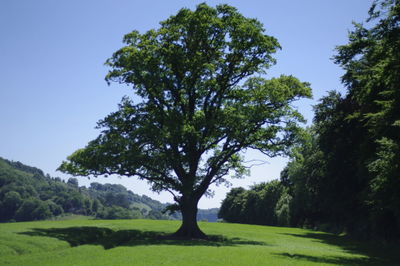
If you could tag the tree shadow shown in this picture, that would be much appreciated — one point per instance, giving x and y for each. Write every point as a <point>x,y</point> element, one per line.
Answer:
<point>331,259</point>
<point>373,253</point>
<point>109,238</point>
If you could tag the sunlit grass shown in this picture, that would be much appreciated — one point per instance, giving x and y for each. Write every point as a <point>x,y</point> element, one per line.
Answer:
<point>143,242</point>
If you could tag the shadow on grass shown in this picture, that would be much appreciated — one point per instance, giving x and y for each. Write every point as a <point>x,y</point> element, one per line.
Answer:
<point>109,238</point>
<point>373,253</point>
<point>331,259</point>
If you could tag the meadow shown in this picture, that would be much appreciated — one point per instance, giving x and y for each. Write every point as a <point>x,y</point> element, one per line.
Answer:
<point>143,242</point>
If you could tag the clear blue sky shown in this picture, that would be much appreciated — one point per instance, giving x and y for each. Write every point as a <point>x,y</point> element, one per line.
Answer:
<point>52,88</point>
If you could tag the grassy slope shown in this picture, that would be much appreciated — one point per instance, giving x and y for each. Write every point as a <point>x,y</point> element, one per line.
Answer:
<point>137,242</point>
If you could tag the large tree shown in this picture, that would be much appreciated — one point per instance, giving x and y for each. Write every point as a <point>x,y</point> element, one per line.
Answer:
<point>202,102</point>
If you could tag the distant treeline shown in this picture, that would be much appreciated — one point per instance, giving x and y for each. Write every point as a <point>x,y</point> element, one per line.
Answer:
<point>263,204</point>
<point>27,194</point>
<point>344,175</point>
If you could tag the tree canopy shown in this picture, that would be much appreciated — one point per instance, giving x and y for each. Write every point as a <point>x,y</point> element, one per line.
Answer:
<point>203,100</point>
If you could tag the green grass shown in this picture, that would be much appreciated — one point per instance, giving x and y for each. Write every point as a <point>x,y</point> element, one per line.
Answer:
<point>140,242</point>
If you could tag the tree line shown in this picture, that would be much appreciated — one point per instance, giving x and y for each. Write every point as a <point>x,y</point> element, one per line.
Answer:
<point>344,175</point>
<point>27,194</point>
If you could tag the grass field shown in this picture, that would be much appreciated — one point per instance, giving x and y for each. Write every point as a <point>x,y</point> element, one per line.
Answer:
<point>140,242</point>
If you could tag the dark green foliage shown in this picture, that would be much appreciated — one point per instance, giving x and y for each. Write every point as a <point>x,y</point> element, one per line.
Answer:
<point>33,209</point>
<point>232,205</point>
<point>10,204</point>
<point>257,205</point>
<point>55,209</point>
<point>73,182</point>
<point>346,176</point>
<point>307,185</point>
<point>283,209</point>
<point>372,64</point>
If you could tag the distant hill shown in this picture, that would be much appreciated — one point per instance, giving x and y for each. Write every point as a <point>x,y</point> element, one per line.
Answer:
<point>26,194</point>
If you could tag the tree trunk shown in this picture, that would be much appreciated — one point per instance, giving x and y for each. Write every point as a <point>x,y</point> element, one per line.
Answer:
<point>189,228</point>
